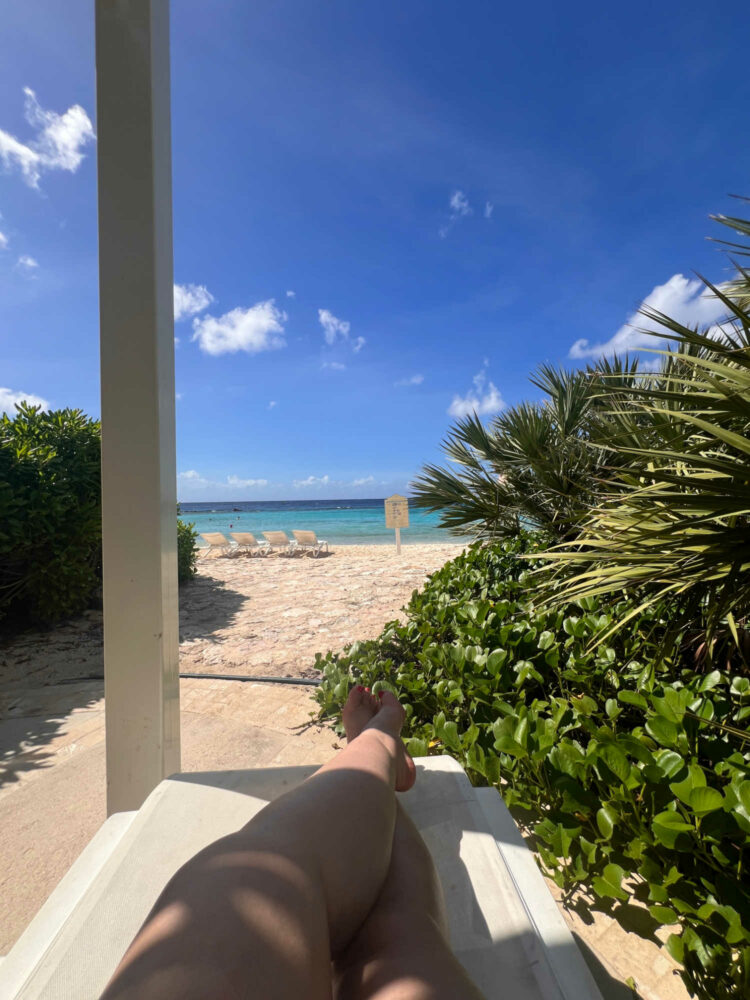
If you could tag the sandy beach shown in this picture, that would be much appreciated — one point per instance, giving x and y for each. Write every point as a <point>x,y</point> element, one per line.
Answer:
<point>250,615</point>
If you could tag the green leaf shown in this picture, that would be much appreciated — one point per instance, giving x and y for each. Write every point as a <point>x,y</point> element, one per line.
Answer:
<point>610,882</point>
<point>417,748</point>
<point>705,800</point>
<point>606,818</point>
<point>669,829</point>
<point>676,948</point>
<point>546,639</point>
<point>506,744</point>
<point>632,698</point>
<point>695,779</point>
<point>669,762</point>
<point>615,760</point>
<point>664,914</point>
<point>662,730</point>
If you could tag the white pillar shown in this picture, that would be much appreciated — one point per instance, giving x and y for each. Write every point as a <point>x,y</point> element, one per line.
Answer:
<point>139,498</point>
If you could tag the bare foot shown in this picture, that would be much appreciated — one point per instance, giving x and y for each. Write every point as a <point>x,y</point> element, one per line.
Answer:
<point>359,709</point>
<point>364,711</point>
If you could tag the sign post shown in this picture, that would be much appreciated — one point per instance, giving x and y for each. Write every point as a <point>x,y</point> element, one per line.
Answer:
<point>397,516</point>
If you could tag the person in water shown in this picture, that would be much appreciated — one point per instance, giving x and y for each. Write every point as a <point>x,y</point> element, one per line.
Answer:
<point>328,892</point>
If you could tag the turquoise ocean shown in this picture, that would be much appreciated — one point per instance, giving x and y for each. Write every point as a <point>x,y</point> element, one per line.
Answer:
<point>340,522</point>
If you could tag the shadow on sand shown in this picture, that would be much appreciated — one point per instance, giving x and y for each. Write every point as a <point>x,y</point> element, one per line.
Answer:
<point>46,675</point>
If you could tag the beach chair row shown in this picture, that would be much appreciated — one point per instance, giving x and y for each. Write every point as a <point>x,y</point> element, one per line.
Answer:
<point>245,543</point>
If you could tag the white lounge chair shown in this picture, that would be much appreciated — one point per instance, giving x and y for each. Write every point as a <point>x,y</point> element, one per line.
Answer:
<point>505,927</point>
<point>216,542</point>
<point>307,541</point>
<point>247,542</point>
<point>280,542</point>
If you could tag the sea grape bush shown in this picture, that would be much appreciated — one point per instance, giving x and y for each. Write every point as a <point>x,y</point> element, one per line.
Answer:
<point>187,549</point>
<point>50,517</point>
<point>630,767</point>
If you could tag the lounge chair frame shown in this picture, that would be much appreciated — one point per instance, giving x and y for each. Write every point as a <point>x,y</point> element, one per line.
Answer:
<point>308,543</point>
<point>280,542</point>
<point>218,543</point>
<point>248,544</point>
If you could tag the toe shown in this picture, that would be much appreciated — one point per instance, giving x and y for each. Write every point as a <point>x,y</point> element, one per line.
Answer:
<point>356,696</point>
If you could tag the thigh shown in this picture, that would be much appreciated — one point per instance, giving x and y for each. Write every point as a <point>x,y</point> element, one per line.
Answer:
<point>233,923</point>
<point>403,957</point>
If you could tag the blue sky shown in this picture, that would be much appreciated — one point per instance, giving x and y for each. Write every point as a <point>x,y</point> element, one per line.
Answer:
<point>389,214</point>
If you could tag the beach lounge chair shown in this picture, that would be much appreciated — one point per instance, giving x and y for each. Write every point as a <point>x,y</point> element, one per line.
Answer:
<point>280,542</point>
<point>247,542</point>
<point>307,541</point>
<point>505,927</point>
<point>216,542</point>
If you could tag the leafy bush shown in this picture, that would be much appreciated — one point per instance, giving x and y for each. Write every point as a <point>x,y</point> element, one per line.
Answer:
<point>50,518</point>
<point>630,766</point>
<point>187,549</point>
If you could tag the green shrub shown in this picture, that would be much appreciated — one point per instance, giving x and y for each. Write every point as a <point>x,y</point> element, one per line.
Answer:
<point>630,766</point>
<point>50,517</point>
<point>187,549</point>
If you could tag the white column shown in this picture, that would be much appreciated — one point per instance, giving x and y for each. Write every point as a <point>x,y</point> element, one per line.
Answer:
<point>139,524</point>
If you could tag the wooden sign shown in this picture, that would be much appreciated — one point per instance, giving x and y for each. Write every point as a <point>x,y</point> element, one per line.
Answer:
<point>397,516</point>
<point>397,512</point>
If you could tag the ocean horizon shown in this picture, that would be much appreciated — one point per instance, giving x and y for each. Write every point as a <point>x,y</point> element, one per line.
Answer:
<point>340,522</point>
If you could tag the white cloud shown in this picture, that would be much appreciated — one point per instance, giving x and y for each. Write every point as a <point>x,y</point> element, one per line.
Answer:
<point>57,145</point>
<point>412,380</point>
<point>9,398</point>
<point>684,299</point>
<point>26,264</point>
<point>236,481</point>
<point>272,403</point>
<point>259,328</point>
<point>460,204</point>
<point>333,328</point>
<point>334,366</point>
<point>190,299</point>
<point>3,241</point>
<point>291,295</point>
<point>459,207</point>
<point>312,481</point>
<point>484,398</point>
<point>363,482</point>
<point>489,208</point>
<point>193,479</point>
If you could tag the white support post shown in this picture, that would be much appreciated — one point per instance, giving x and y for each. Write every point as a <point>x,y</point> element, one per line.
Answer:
<point>139,524</point>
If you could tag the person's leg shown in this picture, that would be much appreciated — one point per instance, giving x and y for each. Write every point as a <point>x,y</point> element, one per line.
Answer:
<point>259,913</point>
<point>402,951</point>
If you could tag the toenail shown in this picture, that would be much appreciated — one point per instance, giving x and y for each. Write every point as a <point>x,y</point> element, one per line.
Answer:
<point>360,688</point>
<point>367,690</point>
<point>380,694</point>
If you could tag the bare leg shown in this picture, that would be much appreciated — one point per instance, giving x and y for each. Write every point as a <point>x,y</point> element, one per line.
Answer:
<point>260,912</point>
<point>402,950</point>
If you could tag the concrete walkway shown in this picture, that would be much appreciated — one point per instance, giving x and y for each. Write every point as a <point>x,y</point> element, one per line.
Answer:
<point>52,800</point>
